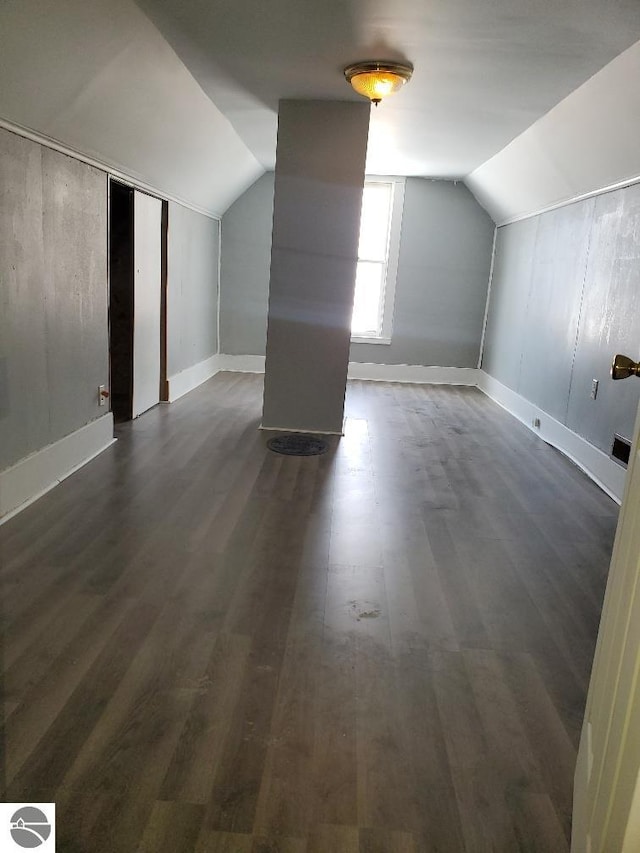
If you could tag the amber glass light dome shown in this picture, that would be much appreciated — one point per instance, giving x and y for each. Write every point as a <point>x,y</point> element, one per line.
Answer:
<point>376,80</point>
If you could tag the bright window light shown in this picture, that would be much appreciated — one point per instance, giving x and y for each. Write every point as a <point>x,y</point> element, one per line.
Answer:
<point>373,299</point>
<point>366,303</point>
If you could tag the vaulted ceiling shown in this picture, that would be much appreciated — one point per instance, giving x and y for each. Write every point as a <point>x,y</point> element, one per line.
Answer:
<point>485,70</point>
<point>183,94</point>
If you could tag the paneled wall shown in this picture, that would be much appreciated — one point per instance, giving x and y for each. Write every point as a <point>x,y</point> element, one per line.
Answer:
<point>443,269</point>
<point>53,295</point>
<point>565,298</point>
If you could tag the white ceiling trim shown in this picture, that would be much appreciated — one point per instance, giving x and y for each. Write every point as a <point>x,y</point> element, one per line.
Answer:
<point>608,189</point>
<point>112,172</point>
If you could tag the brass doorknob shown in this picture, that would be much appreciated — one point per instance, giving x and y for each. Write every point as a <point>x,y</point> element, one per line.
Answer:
<point>624,367</point>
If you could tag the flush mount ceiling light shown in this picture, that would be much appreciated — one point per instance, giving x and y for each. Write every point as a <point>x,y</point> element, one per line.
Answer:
<point>376,80</point>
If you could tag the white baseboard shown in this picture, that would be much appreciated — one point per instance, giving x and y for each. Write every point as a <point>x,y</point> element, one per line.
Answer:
<point>185,381</point>
<point>242,363</point>
<point>33,476</point>
<point>415,373</point>
<point>601,468</point>
<point>302,431</point>
<point>375,372</point>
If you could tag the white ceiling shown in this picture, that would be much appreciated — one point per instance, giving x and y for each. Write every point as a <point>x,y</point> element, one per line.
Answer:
<point>485,70</point>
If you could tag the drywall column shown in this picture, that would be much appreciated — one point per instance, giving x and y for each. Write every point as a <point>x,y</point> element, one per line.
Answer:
<point>320,163</point>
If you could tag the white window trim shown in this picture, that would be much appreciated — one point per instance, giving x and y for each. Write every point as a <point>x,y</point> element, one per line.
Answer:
<point>397,207</point>
<point>363,339</point>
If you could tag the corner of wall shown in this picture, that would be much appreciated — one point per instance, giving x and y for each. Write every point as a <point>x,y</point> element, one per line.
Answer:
<point>486,307</point>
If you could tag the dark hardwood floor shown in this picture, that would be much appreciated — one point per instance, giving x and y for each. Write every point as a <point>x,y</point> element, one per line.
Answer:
<point>386,649</point>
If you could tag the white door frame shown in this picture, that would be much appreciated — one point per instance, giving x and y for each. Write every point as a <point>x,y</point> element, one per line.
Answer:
<point>606,813</point>
<point>147,281</point>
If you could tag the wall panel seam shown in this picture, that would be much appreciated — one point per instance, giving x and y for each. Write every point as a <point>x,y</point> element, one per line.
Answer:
<point>580,313</point>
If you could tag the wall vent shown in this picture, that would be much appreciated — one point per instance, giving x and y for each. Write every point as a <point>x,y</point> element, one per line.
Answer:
<point>621,450</point>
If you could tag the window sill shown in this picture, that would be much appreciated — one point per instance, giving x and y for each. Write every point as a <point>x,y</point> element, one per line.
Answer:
<point>357,339</point>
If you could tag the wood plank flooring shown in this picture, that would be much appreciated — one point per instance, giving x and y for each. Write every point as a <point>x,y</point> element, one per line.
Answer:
<point>209,647</point>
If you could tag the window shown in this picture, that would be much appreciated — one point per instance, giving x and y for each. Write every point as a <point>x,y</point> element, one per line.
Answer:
<point>380,222</point>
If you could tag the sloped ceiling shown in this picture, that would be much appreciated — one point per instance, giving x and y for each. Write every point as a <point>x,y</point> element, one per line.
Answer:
<point>98,77</point>
<point>484,71</point>
<point>183,94</point>
<point>586,143</point>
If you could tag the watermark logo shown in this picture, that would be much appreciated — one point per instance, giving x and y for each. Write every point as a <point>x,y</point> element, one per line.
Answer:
<point>30,827</point>
<point>27,826</point>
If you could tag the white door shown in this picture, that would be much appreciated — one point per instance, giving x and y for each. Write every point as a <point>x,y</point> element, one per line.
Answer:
<point>147,250</point>
<point>606,803</point>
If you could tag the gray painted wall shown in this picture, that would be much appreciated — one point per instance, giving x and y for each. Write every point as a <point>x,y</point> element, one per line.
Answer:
<point>565,298</point>
<point>244,273</point>
<point>192,288</point>
<point>443,269</point>
<point>320,161</point>
<point>53,295</point>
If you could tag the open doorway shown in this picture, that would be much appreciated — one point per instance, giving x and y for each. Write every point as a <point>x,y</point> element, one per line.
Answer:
<point>137,301</point>
<point>121,301</point>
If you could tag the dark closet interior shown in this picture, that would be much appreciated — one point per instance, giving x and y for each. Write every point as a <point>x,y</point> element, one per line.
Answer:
<point>121,301</point>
